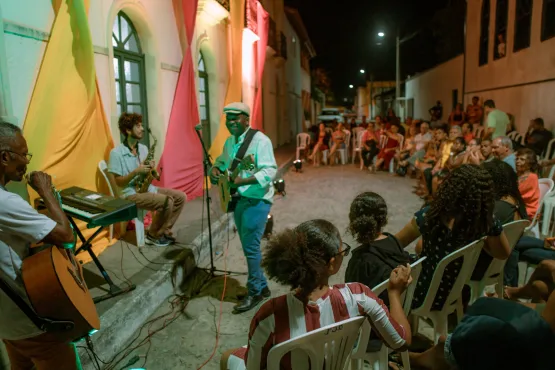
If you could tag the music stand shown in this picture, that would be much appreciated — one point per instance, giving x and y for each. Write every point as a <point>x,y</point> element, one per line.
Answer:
<point>207,165</point>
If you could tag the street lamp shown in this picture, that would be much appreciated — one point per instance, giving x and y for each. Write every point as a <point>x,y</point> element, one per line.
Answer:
<point>381,34</point>
<point>362,71</point>
<point>350,86</point>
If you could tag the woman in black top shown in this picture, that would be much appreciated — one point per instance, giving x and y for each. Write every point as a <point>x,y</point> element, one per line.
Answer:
<point>378,252</point>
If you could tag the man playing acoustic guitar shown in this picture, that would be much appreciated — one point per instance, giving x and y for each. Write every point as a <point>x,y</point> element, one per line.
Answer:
<point>256,191</point>
<point>20,225</point>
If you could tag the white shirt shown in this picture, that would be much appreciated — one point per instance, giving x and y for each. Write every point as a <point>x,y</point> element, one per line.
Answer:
<point>422,140</point>
<point>20,225</point>
<point>265,167</point>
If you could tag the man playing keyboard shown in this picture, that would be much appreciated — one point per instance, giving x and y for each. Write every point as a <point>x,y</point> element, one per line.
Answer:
<point>20,225</point>
<point>126,163</point>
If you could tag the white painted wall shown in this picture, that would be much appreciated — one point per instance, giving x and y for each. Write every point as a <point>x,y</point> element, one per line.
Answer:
<point>526,68</point>
<point>436,84</point>
<point>294,80</point>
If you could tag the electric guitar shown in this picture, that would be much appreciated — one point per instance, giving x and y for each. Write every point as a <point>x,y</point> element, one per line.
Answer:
<point>228,195</point>
<point>57,291</point>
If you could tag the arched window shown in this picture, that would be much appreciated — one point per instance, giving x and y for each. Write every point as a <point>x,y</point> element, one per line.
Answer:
<point>523,24</point>
<point>548,19</point>
<point>501,17</point>
<point>129,70</point>
<point>484,33</point>
<point>204,103</point>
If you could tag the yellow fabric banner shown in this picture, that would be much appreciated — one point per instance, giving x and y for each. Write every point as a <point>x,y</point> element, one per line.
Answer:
<point>65,127</point>
<point>234,88</point>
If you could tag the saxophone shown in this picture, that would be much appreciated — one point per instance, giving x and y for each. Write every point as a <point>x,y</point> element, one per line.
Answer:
<point>144,181</point>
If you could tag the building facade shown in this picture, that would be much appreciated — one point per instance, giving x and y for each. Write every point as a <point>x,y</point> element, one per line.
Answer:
<point>510,58</point>
<point>139,47</point>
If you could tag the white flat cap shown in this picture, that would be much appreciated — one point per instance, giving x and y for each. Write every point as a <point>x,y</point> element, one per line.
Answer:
<point>237,108</point>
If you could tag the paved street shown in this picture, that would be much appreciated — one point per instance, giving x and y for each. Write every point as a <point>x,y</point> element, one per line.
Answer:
<point>324,192</point>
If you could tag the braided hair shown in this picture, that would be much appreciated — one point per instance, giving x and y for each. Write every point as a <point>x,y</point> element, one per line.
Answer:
<point>466,196</point>
<point>367,217</point>
<point>506,183</point>
<point>300,257</point>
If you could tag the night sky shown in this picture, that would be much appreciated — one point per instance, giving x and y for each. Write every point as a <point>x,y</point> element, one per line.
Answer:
<point>344,34</point>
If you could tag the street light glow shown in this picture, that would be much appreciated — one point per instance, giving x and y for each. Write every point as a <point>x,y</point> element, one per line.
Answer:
<point>381,34</point>
<point>350,86</point>
<point>362,71</point>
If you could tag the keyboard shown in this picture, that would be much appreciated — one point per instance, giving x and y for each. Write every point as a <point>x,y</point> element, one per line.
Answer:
<point>96,209</point>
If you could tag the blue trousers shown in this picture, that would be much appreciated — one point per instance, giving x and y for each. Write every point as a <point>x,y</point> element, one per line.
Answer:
<point>528,249</point>
<point>251,216</point>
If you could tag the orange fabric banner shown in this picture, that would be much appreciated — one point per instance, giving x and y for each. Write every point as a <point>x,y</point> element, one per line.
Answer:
<point>234,88</point>
<point>65,127</point>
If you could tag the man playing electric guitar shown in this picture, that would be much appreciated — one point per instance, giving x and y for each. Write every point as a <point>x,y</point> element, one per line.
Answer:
<point>256,191</point>
<point>20,225</point>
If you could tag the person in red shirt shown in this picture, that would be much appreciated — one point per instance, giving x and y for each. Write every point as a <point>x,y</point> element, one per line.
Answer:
<point>467,132</point>
<point>305,258</point>
<point>526,168</point>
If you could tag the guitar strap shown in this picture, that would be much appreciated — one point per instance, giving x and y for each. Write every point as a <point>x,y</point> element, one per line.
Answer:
<point>243,149</point>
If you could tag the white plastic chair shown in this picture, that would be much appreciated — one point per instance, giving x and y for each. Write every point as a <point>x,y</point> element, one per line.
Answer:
<point>326,348</point>
<point>453,303</point>
<point>325,153</point>
<point>303,143</point>
<point>519,139</point>
<point>392,162</point>
<point>494,273</point>
<point>546,189</point>
<point>344,153</point>
<point>548,154</point>
<point>139,221</point>
<point>378,360</point>
<point>513,135</point>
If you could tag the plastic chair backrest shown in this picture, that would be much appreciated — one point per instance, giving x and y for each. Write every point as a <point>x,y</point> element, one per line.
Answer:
<point>347,139</point>
<point>303,139</point>
<point>513,232</point>
<point>358,139</point>
<point>470,255</point>
<point>479,132</point>
<point>383,141</point>
<point>103,167</point>
<point>327,348</point>
<point>546,188</point>
<point>512,135</point>
<point>549,152</point>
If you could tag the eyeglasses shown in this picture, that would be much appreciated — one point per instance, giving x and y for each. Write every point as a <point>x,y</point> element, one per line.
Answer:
<point>27,156</point>
<point>345,251</point>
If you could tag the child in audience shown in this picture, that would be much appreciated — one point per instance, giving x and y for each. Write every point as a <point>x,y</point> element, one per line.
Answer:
<point>304,258</point>
<point>378,252</point>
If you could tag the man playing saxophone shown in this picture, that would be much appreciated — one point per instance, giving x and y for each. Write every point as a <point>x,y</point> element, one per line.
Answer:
<point>127,164</point>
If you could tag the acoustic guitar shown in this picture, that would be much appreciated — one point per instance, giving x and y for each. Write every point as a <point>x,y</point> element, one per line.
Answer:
<point>228,195</point>
<point>57,291</point>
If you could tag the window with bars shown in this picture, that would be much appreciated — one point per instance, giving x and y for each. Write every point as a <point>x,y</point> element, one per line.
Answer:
<point>523,24</point>
<point>501,18</point>
<point>484,33</point>
<point>129,70</point>
<point>204,104</point>
<point>548,19</point>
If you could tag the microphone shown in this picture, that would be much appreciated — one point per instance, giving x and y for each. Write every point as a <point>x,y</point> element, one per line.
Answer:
<point>198,127</point>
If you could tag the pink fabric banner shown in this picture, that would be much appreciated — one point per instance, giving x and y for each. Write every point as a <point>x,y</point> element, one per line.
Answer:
<point>181,162</point>
<point>263,23</point>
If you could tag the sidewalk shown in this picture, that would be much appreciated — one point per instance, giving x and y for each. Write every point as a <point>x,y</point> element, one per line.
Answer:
<point>151,269</point>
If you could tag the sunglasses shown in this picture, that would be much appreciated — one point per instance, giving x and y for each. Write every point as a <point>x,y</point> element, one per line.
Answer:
<point>345,251</point>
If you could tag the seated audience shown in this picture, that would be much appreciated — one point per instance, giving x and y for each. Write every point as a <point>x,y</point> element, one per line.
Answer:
<point>458,153</point>
<point>467,132</point>
<point>457,116</point>
<point>392,144</point>
<point>539,287</point>
<point>420,141</point>
<point>527,168</point>
<point>472,153</point>
<point>323,138</point>
<point>370,141</point>
<point>496,334</point>
<point>338,137</point>
<point>460,213</point>
<point>538,137</point>
<point>379,252</point>
<point>305,258</point>
<point>502,148</point>
<point>409,148</point>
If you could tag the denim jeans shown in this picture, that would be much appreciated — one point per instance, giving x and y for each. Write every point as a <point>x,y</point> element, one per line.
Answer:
<point>528,249</point>
<point>251,216</point>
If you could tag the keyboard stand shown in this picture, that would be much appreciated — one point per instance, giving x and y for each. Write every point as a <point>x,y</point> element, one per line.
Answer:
<point>87,244</point>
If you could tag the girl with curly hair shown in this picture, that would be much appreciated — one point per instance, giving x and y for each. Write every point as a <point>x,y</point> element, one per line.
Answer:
<point>378,252</point>
<point>304,258</point>
<point>527,169</point>
<point>460,213</point>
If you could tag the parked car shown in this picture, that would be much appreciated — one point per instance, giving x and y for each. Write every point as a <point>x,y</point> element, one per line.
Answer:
<point>328,115</point>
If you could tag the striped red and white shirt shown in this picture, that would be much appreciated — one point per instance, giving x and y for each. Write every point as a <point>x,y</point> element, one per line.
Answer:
<point>286,317</point>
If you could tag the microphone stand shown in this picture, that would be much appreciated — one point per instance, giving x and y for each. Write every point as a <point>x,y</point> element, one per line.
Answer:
<point>207,165</point>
